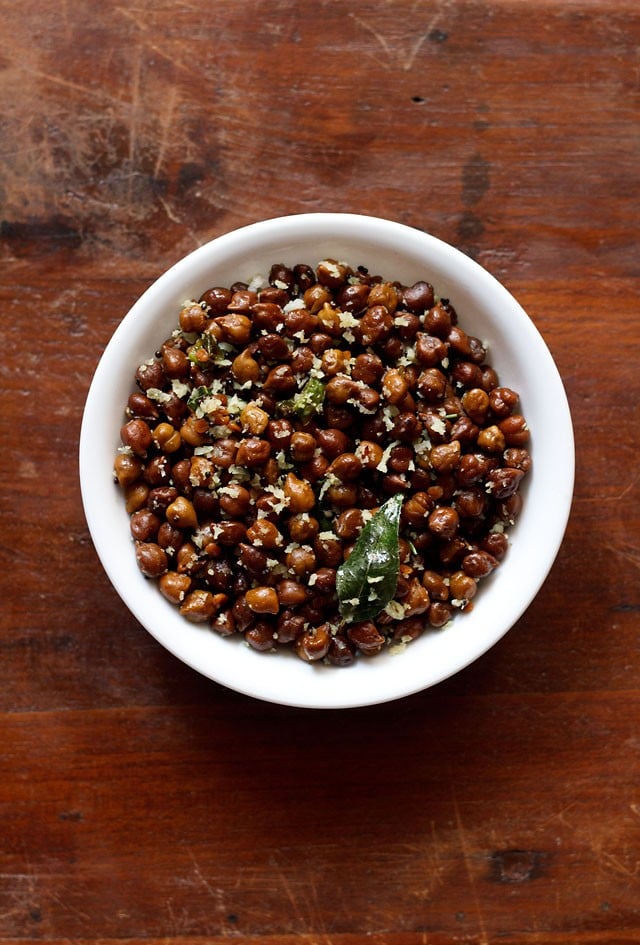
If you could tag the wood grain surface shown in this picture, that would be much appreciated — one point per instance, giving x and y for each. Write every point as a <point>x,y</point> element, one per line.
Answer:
<point>140,803</point>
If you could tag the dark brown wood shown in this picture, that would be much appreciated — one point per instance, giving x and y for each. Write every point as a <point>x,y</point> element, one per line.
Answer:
<point>142,803</point>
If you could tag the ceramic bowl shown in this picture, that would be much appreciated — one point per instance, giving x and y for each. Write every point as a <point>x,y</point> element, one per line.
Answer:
<point>516,350</point>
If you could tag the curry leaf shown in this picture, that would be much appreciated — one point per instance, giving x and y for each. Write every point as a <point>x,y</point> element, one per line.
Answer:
<point>197,396</point>
<point>306,402</point>
<point>368,579</point>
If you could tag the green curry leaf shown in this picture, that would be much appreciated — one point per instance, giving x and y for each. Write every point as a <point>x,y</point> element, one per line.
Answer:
<point>197,396</point>
<point>306,402</point>
<point>368,579</point>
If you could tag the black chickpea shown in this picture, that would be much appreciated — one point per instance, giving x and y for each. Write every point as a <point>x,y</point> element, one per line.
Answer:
<point>136,496</point>
<point>274,422</point>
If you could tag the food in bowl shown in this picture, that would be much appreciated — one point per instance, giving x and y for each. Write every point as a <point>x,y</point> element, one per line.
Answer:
<point>323,461</point>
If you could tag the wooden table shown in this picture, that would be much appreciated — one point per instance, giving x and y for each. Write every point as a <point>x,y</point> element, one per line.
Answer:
<point>141,802</point>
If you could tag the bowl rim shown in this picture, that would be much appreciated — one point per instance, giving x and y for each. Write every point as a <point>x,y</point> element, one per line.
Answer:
<point>310,690</point>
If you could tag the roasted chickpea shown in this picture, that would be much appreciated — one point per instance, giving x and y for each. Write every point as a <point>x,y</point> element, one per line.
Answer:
<point>267,316</point>
<point>264,533</point>
<point>471,502</point>
<point>260,636</point>
<point>332,442</point>
<point>341,651</point>
<point>175,362</point>
<point>301,560</point>
<point>151,375</point>
<point>496,543</point>
<point>394,386</point>
<point>224,623</point>
<point>174,586</point>
<point>152,559</point>
<point>475,403</point>
<point>157,471</point>
<point>335,361</point>
<point>353,298</point>
<point>324,581</point>
<point>406,427</point>
<point>491,439</point>
<point>416,509</point>
<point>182,514</point>
<point>167,438</point>
<point>418,297</point>
<point>436,585</point>
<point>370,454</point>
<point>504,481</point>
<point>367,368</point>
<point>443,521</point>
<point>218,575</point>
<point>458,341</point>
<point>193,318</point>
<point>299,494</point>
<point>514,430</point>
<point>201,470</point>
<point>253,451</point>
<point>253,560</point>
<point>144,525</point>
<point>200,605</point>
<point>375,326</point>
<point>313,644</point>
<point>346,467</point>
<point>445,457</point>
<point>216,300</point>
<point>328,550</point>
<point>194,431</point>
<point>263,600</point>
<point>291,593</point>
<point>243,298</point>
<point>254,419</point>
<point>139,406</point>
<point>339,389</point>
<point>245,368</point>
<point>466,374</point>
<point>279,433</point>
<point>517,458</point>
<point>462,586</point>
<point>432,385</point>
<point>160,498</point>
<point>416,600</point>
<point>235,500</point>
<point>438,320</point>
<point>349,524</point>
<point>366,637</point>
<point>479,564</point>
<point>290,626</point>
<point>302,446</point>
<point>127,468</point>
<point>281,379</point>
<point>236,328</point>
<point>503,400</point>
<point>316,297</point>
<point>343,494</point>
<point>439,614</point>
<point>231,533</point>
<point>136,496</point>
<point>137,436</point>
<point>303,527</point>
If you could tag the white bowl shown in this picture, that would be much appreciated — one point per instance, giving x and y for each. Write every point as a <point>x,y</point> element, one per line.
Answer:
<point>516,350</point>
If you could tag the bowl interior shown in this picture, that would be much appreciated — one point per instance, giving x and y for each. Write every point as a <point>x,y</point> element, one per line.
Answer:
<point>516,351</point>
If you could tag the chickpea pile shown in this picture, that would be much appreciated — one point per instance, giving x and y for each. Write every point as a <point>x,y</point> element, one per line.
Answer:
<point>274,422</point>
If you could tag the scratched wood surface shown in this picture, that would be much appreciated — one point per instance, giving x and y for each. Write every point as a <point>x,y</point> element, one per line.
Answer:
<point>141,803</point>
